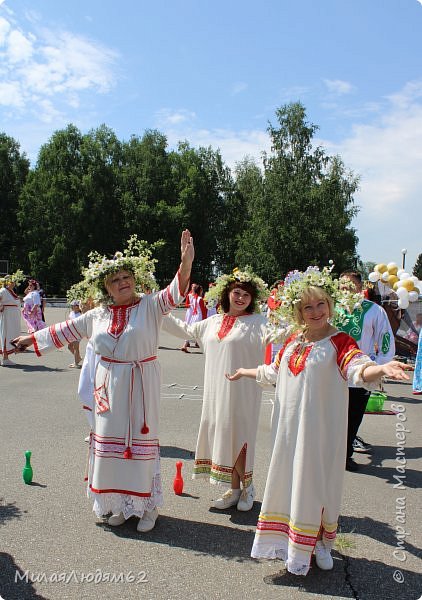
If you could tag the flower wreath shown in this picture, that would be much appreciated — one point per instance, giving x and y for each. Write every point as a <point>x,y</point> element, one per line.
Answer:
<point>136,258</point>
<point>341,290</point>
<point>17,277</point>
<point>242,276</point>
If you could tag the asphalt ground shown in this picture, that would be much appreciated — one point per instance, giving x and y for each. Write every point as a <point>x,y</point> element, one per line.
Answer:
<point>52,546</point>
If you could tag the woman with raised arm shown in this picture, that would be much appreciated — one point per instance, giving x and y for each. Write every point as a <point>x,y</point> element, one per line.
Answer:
<point>124,465</point>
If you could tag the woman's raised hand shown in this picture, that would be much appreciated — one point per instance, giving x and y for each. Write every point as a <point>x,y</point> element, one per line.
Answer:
<point>187,249</point>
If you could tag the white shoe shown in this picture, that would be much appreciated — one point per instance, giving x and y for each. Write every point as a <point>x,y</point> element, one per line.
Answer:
<point>116,520</point>
<point>87,438</point>
<point>323,557</point>
<point>7,362</point>
<point>147,522</point>
<point>228,499</point>
<point>246,498</point>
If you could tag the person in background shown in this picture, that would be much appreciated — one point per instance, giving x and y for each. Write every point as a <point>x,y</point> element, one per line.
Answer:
<point>196,311</point>
<point>10,316</point>
<point>32,308</point>
<point>369,326</point>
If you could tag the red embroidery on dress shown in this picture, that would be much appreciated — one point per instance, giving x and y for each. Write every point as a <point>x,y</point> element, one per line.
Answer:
<point>226,326</point>
<point>297,360</point>
<point>119,318</point>
<point>280,353</point>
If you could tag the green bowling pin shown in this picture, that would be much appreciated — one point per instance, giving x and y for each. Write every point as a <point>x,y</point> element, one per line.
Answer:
<point>27,472</point>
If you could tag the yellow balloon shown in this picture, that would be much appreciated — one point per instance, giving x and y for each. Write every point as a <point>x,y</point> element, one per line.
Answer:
<point>392,280</point>
<point>381,268</point>
<point>408,284</point>
<point>393,270</point>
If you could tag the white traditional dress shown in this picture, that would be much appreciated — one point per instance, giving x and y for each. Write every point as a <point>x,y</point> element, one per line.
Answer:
<point>124,468</point>
<point>305,478</point>
<point>230,413</point>
<point>10,320</point>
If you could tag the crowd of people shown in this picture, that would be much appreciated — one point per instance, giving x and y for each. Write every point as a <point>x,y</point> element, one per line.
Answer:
<point>325,346</point>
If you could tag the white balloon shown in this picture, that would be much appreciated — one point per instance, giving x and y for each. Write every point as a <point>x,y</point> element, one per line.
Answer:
<point>400,284</point>
<point>414,279</point>
<point>385,276</point>
<point>374,276</point>
<point>403,303</point>
<point>402,292</point>
<point>404,275</point>
<point>413,296</point>
<point>399,272</point>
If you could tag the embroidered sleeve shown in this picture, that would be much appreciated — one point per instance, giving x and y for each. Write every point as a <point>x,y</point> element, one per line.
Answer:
<point>171,296</point>
<point>61,334</point>
<point>351,361</point>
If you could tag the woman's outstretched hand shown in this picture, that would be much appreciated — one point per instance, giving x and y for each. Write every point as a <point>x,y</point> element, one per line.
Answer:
<point>187,249</point>
<point>236,375</point>
<point>396,370</point>
<point>22,342</point>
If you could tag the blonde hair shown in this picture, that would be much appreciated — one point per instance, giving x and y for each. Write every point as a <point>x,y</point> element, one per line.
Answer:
<point>312,292</point>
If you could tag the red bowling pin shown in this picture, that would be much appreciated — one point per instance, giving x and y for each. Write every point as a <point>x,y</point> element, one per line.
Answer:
<point>178,480</point>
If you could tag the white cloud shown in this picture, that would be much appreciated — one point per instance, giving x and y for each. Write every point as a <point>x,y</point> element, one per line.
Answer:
<point>168,117</point>
<point>50,69</point>
<point>387,154</point>
<point>20,48</point>
<point>238,87</point>
<point>338,87</point>
<point>233,145</point>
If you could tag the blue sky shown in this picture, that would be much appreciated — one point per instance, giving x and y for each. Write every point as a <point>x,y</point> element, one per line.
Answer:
<point>214,72</point>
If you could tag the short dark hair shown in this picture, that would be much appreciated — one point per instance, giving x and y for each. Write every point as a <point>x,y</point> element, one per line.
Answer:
<point>243,285</point>
<point>354,274</point>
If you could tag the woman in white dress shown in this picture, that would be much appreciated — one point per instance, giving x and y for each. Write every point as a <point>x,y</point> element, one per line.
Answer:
<point>302,497</point>
<point>124,465</point>
<point>10,316</point>
<point>225,449</point>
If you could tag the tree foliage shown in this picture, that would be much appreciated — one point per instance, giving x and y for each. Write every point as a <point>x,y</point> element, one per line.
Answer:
<point>14,168</point>
<point>417,269</point>
<point>92,191</point>
<point>302,212</point>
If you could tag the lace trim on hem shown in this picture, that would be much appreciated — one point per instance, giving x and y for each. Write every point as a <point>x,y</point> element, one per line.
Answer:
<point>130,506</point>
<point>272,552</point>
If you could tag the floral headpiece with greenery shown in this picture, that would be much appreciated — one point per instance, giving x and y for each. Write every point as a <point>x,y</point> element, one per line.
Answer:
<point>17,277</point>
<point>245,275</point>
<point>136,258</point>
<point>80,291</point>
<point>342,291</point>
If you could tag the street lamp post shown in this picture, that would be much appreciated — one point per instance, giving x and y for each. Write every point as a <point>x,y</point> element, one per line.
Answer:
<point>404,252</point>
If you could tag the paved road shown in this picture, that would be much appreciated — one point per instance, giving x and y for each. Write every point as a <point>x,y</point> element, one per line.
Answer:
<point>48,532</point>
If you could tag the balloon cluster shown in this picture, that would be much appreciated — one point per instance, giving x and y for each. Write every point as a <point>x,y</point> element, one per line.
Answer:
<point>407,287</point>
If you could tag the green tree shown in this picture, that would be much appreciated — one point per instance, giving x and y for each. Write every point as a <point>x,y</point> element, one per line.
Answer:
<point>14,169</point>
<point>306,207</point>
<point>417,269</point>
<point>69,205</point>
